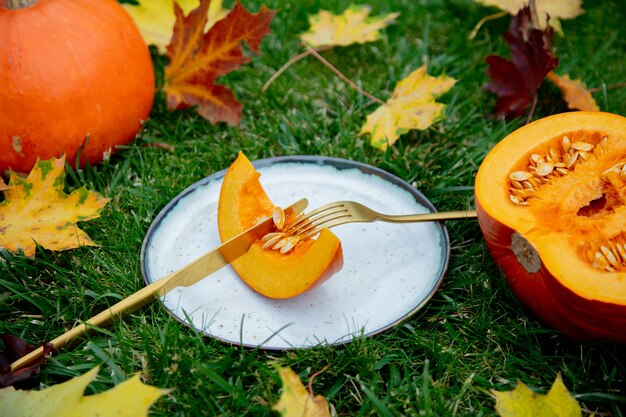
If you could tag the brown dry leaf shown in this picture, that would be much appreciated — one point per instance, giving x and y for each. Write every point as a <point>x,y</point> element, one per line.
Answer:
<point>296,401</point>
<point>198,58</point>
<point>36,210</point>
<point>575,92</point>
<point>131,398</point>
<point>3,186</point>
<point>412,105</point>
<point>522,402</point>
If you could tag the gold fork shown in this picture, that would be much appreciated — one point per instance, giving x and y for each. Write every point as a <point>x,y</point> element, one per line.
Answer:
<point>342,212</point>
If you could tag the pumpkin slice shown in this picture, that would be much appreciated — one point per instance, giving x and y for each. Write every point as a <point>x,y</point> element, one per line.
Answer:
<point>551,202</point>
<point>242,203</point>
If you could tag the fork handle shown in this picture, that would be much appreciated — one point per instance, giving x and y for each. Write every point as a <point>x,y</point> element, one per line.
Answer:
<point>428,217</point>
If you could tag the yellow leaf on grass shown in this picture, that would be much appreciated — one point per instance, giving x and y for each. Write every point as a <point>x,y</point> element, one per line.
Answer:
<point>555,9</point>
<point>131,398</point>
<point>522,402</point>
<point>155,18</point>
<point>36,210</point>
<point>296,401</point>
<point>574,92</point>
<point>411,106</point>
<point>352,26</point>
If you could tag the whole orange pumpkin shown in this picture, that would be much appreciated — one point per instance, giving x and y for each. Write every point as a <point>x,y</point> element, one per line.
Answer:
<point>72,73</point>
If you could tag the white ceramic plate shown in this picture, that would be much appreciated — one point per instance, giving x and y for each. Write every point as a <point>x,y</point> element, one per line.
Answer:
<point>390,270</point>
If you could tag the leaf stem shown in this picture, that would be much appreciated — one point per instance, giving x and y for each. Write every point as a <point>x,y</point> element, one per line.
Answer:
<point>282,69</point>
<point>532,109</point>
<point>340,75</point>
<point>484,20</point>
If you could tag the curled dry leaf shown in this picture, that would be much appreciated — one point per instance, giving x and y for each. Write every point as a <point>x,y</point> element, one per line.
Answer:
<point>575,93</point>
<point>354,25</point>
<point>15,348</point>
<point>548,11</point>
<point>155,18</point>
<point>411,106</point>
<point>198,58</point>
<point>36,210</point>
<point>131,398</point>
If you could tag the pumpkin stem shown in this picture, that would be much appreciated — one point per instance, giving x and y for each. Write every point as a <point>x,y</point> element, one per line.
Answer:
<point>19,4</point>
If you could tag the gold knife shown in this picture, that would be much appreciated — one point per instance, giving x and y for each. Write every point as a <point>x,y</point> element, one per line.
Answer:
<point>184,277</point>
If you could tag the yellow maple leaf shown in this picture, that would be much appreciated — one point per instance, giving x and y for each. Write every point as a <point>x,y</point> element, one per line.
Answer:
<point>555,9</point>
<point>155,18</point>
<point>352,26</point>
<point>574,92</point>
<point>37,211</point>
<point>131,398</point>
<point>296,401</point>
<point>411,106</point>
<point>523,402</point>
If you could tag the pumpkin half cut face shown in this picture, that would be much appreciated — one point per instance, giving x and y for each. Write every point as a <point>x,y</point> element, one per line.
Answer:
<point>551,202</point>
<point>276,271</point>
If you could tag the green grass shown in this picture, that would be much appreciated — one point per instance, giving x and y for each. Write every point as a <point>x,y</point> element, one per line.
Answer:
<point>472,337</point>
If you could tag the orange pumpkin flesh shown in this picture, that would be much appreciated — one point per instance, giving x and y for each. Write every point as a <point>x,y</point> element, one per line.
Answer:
<point>271,273</point>
<point>559,236</point>
<point>70,69</point>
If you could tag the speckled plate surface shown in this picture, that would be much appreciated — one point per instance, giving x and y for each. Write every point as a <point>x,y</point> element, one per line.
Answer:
<point>390,270</point>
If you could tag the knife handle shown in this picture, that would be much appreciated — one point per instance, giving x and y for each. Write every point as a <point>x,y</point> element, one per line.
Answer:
<point>115,312</point>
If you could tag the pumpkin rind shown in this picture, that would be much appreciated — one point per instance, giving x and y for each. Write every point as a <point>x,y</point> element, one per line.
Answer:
<point>564,290</point>
<point>70,69</point>
<point>242,202</point>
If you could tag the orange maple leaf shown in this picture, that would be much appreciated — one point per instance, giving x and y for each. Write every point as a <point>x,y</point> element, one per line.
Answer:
<point>197,59</point>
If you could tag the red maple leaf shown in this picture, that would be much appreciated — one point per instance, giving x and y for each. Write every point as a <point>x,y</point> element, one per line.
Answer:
<point>516,82</point>
<point>197,59</point>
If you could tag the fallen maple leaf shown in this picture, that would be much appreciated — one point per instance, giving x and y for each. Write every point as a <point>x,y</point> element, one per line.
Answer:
<point>37,211</point>
<point>548,11</point>
<point>131,398</point>
<point>296,401</point>
<point>574,92</point>
<point>352,26</point>
<point>523,402</point>
<point>411,106</point>
<point>516,82</point>
<point>197,59</point>
<point>155,18</point>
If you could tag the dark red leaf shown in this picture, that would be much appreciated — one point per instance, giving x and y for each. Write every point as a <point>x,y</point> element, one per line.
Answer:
<point>516,82</point>
<point>15,348</point>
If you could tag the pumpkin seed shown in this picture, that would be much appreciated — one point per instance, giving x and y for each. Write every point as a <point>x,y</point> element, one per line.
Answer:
<point>545,169</point>
<point>520,175</point>
<point>279,218</point>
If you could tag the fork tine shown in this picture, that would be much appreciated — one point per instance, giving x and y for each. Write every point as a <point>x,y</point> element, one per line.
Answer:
<point>327,220</point>
<point>310,232</point>
<point>318,213</point>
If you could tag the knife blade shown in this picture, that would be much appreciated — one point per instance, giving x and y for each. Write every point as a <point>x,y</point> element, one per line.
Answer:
<point>184,277</point>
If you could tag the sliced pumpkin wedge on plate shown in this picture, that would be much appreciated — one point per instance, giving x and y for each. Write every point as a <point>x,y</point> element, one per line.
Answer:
<point>243,202</point>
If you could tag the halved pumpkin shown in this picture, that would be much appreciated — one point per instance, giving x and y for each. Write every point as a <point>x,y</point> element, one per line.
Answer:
<point>551,202</point>
<point>242,203</point>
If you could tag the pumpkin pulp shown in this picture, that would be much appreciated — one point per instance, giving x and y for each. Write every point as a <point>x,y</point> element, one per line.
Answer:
<point>551,202</point>
<point>242,202</point>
